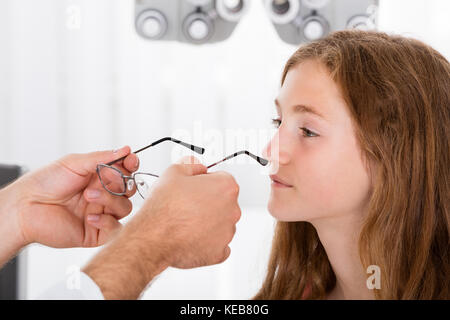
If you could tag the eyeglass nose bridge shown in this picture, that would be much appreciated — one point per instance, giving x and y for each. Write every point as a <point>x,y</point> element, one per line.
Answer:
<point>129,182</point>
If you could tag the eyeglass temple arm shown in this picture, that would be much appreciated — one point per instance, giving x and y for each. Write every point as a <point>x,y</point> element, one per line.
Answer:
<point>260,160</point>
<point>187,145</point>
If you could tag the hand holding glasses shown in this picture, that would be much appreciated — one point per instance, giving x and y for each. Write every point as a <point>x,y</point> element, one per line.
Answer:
<point>115,182</point>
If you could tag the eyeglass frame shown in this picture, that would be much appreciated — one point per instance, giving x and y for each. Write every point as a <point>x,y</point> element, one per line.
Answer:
<point>194,148</point>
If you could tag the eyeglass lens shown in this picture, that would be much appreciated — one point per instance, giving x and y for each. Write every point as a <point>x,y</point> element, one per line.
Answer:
<point>112,179</point>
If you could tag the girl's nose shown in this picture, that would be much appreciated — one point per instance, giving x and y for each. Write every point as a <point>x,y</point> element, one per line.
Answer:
<point>277,149</point>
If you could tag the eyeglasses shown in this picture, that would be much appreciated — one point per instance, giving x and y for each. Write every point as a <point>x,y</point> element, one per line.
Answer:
<point>116,183</point>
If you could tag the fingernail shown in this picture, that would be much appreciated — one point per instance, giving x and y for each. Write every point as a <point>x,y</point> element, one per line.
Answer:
<point>93,217</point>
<point>137,163</point>
<point>93,194</point>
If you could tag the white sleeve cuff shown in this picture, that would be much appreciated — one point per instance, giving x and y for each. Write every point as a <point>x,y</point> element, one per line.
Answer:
<point>85,289</point>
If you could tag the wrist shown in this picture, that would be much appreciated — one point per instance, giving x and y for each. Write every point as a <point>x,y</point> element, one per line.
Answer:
<point>124,268</point>
<point>10,227</point>
<point>146,254</point>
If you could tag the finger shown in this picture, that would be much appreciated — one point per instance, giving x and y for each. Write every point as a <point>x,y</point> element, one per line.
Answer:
<point>113,180</point>
<point>131,163</point>
<point>130,192</point>
<point>192,166</point>
<point>103,221</point>
<point>107,224</point>
<point>226,254</point>
<point>237,215</point>
<point>86,163</point>
<point>118,206</point>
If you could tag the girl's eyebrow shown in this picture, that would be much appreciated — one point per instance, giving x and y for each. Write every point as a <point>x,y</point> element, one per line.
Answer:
<point>303,109</point>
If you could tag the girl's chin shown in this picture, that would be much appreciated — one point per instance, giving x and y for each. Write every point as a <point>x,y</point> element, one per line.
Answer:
<point>280,213</point>
<point>283,213</point>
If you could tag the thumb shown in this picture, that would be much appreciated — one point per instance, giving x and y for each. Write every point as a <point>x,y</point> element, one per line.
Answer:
<point>192,166</point>
<point>85,163</point>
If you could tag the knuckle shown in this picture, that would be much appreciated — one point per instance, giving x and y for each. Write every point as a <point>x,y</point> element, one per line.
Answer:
<point>226,254</point>
<point>66,159</point>
<point>231,180</point>
<point>220,256</point>
<point>237,215</point>
<point>235,188</point>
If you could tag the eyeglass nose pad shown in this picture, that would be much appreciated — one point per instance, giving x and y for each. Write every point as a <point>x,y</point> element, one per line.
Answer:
<point>130,185</point>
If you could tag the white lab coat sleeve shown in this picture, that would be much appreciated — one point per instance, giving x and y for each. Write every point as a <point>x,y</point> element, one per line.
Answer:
<point>86,289</point>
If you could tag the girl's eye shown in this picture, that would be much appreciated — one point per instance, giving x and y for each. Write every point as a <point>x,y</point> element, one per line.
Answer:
<point>276,123</point>
<point>308,133</point>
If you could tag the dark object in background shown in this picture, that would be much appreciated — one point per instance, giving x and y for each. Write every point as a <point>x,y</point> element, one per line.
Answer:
<point>9,274</point>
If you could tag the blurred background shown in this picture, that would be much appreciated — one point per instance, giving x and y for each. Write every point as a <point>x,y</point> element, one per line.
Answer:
<point>84,75</point>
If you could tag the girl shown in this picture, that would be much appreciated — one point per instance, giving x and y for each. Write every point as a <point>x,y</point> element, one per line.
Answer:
<point>361,193</point>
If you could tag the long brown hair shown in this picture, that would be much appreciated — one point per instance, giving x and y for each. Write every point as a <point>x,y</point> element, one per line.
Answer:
<point>398,93</point>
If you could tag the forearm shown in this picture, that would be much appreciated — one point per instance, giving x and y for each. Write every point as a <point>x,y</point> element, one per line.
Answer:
<point>122,270</point>
<point>11,237</point>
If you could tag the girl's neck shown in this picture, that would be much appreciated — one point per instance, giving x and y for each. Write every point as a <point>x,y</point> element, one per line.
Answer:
<point>339,236</point>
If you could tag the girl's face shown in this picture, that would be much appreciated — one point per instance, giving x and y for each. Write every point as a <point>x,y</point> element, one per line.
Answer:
<point>320,171</point>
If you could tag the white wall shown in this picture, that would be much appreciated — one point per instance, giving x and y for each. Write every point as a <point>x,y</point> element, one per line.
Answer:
<point>65,90</point>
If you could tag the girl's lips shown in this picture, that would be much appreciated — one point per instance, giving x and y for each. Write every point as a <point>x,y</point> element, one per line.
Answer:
<point>277,182</point>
